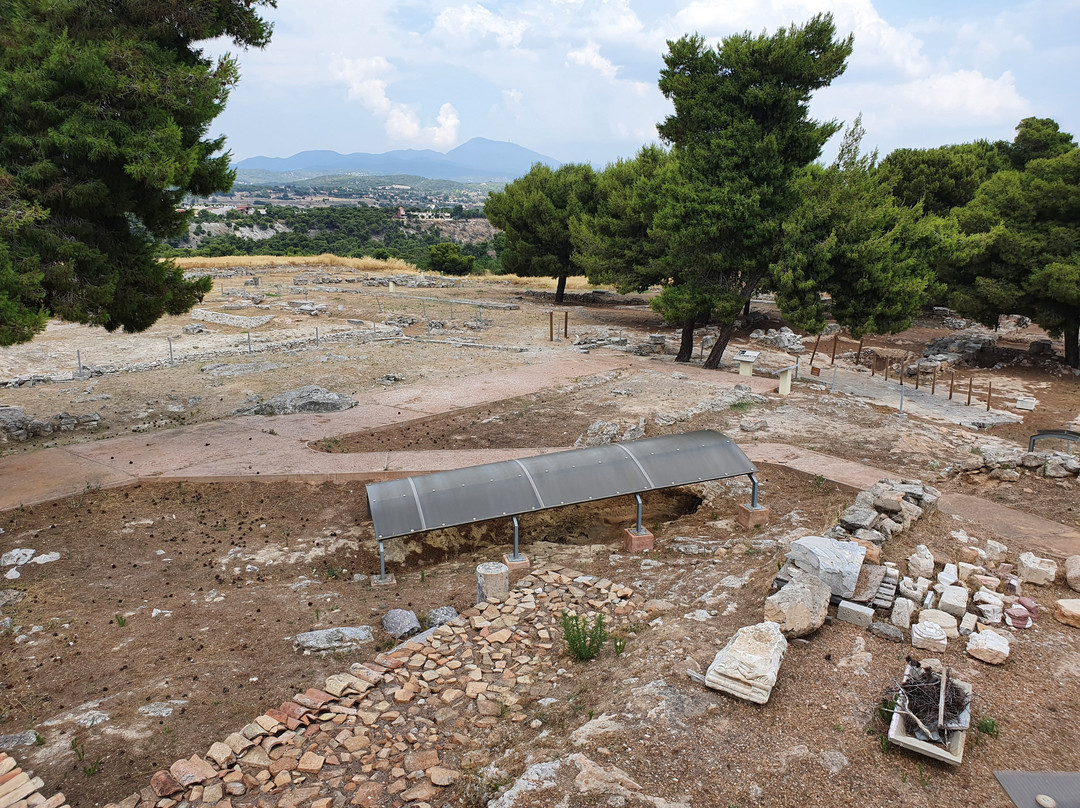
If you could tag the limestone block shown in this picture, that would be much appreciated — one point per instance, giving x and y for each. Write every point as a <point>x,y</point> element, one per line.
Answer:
<point>333,640</point>
<point>921,563</point>
<point>801,606</point>
<point>914,589</point>
<point>1067,611</point>
<point>837,563</point>
<point>886,632</point>
<point>928,636</point>
<point>948,576</point>
<point>989,612</point>
<point>988,646</point>
<point>945,621</point>
<point>1072,572</point>
<point>995,551</point>
<point>903,609</point>
<point>856,518</point>
<point>748,665</point>
<point>855,613</point>
<point>954,600</point>
<point>968,624</point>
<point>1034,570</point>
<point>400,623</point>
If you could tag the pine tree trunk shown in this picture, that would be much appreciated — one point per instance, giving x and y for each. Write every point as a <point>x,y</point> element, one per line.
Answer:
<point>1072,340</point>
<point>686,346</point>
<point>746,307</point>
<point>560,290</point>
<point>722,339</point>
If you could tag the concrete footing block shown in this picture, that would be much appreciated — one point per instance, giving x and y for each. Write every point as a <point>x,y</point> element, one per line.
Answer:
<point>634,542</point>
<point>753,517</point>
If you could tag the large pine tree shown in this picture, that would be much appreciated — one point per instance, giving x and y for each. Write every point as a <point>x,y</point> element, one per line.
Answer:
<point>104,112</point>
<point>740,132</point>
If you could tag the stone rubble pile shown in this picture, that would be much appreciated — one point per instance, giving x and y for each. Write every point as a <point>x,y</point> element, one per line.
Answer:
<point>1009,464</point>
<point>403,727</point>
<point>785,339</point>
<point>939,599</point>
<point>16,426</point>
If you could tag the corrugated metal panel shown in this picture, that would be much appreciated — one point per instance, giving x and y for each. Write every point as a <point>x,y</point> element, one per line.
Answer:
<point>475,494</point>
<point>1024,788</point>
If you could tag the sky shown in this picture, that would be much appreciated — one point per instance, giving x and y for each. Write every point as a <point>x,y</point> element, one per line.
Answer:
<point>576,80</point>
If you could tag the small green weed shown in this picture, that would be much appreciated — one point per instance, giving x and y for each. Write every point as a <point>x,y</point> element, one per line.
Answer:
<point>121,621</point>
<point>740,406</point>
<point>79,749</point>
<point>819,481</point>
<point>988,726</point>
<point>619,644</point>
<point>91,769</point>
<point>924,777</point>
<point>584,641</point>
<point>39,739</point>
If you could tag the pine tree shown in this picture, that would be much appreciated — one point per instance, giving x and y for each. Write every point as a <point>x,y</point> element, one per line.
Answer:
<point>104,111</point>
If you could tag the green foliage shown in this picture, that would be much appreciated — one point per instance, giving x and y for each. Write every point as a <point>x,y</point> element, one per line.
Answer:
<point>104,109</point>
<point>583,640</point>
<point>943,178</point>
<point>614,244</point>
<point>121,621</point>
<point>1036,139</point>
<point>851,239</point>
<point>740,132</point>
<point>1019,249</point>
<point>446,258</point>
<point>619,645</point>
<point>988,726</point>
<point>535,212</point>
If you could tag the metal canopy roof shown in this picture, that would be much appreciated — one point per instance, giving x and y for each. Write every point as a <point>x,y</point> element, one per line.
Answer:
<point>513,487</point>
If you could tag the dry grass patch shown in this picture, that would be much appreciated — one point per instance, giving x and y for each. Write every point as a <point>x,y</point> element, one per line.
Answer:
<point>395,265</point>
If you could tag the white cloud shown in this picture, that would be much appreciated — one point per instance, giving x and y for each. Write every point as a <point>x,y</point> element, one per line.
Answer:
<point>366,85</point>
<point>964,94</point>
<point>590,57</point>
<point>464,22</point>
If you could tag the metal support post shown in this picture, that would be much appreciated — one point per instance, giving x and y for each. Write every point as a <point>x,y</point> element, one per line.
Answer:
<point>382,562</point>
<point>638,498</point>
<point>516,556</point>
<point>754,506</point>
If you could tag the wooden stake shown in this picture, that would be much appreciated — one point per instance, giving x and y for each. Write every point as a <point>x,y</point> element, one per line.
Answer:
<point>858,354</point>
<point>933,381</point>
<point>873,366</point>
<point>566,324</point>
<point>886,368</point>
<point>918,373</point>
<point>835,340</point>
<point>551,326</point>
<point>971,381</point>
<point>952,384</point>
<point>989,394</point>
<point>814,352</point>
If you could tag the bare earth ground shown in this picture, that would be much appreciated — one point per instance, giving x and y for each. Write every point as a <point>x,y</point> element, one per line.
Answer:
<point>234,570</point>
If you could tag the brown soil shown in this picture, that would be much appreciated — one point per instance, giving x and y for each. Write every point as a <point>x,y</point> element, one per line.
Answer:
<point>223,561</point>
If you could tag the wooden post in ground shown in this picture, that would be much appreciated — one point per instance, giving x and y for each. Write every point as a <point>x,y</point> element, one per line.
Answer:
<point>835,340</point>
<point>989,394</point>
<point>566,324</point>
<point>814,352</point>
<point>886,368</point>
<point>873,366</point>
<point>918,373</point>
<point>971,381</point>
<point>952,384</point>
<point>551,326</point>
<point>858,354</point>
<point>933,381</point>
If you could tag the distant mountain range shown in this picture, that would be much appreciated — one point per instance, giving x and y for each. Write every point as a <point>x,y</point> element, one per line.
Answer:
<point>478,160</point>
